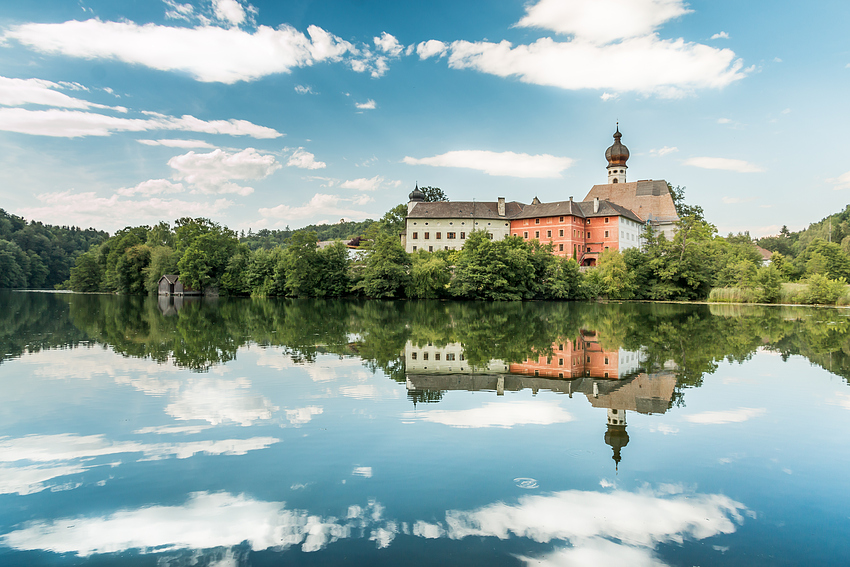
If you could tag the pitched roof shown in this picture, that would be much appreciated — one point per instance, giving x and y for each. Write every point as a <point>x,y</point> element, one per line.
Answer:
<point>583,210</point>
<point>650,200</point>
<point>171,278</point>
<point>463,210</point>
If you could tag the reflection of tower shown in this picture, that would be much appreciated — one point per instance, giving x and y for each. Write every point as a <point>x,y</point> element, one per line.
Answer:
<point>616,435</point>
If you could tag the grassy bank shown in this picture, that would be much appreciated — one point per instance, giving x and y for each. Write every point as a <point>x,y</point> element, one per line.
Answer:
<point>816,291</point>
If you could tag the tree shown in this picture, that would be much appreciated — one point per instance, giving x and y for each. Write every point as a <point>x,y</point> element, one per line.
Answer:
<point>494,270</point>
<point>206,259</point>
<point>433,194</point>
<point>334,266</point>
<point>386,270</point>
<point>683,209</point>
<point>87,274</point>
<point>393,220</point>
<point>615,278</point>
<point>429,275</point>
<point>301,259</point>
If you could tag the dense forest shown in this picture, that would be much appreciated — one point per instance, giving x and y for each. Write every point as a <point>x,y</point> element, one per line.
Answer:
<point>36,255</point>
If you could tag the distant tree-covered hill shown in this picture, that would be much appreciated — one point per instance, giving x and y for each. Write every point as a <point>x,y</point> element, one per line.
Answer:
<point>268,239</point>
<point>834,228</point>
<point>37,256</point>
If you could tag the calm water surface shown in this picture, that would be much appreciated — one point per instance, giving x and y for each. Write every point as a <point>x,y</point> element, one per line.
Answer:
<point>270,432</point>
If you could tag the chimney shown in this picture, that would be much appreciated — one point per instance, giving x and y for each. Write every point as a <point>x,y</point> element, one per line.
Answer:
<point>501,206</point>
<point>596,205</point>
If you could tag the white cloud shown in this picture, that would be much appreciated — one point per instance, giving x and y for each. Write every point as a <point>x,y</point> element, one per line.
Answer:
<point>596,551</point>
<point>320,205</point>
<point>172,429</point>
<point>110,213</point>
<point>668,68</point>
<point>840,182</point>
<point>609,96</point>
<point>220,401</point>
<point>302,89</point>
<point>730,416</point>
<point>75,123</point>
<point>229,11</point>
<point>152,187</point>
<point>365,472</point>
<point>726,164</point>
<point>602,21</point>
<point>207,53</point>
<point>498,414</point>
<point>388,44</point>
<point>30,479</point>
<point>431,48</point>
<point>664,428</point>
<point>363,184</point>
<point>724,121</point>
<point>300,416</point>
<point>839,399</point>
<point>18,92</point>
<point>178,11</point>
<point>213,173</point>
<point>177,143</point>
<point>499,163</point>
<point>720,35</point>
<point>368,105</point>
<point>303,159</point>
<point>663,151</point>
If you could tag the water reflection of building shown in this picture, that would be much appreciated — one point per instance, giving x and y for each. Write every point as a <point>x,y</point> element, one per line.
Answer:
<point>171,304</point>
<point>608,379</point>
<point>582,356</point>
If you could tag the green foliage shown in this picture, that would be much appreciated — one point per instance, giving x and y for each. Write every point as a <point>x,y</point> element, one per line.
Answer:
<point>822,290</point>
<point>768,283</point>
<point>493,270</point>
<point>393,221</point>
<point>116,277</point>
<point>345,231</point>
<point>14,265</point>
<point>386,269</point>
<point>433,194</point>
<point>429,275</point>
<point>87,274</point>
<point>163,261</point>
<point>260,276</point>
<point>615,280</point>
<point>206,259</point>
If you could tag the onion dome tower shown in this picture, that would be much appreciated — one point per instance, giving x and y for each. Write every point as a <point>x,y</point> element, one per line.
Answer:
<point>616,436</point>
<point>416,196</point>
<point>617,155</point>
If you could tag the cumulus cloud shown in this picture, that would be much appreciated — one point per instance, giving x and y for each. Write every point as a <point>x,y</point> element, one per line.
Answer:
<point>303,159</point>
<point>74,124</point>
<point>720,35</point>
<point>111,213</point>
<point>229,11</point>
<point>840,182</point>
<point>726,164</point>
<point>647,64</point>
<point>602,21</point>
<point>177,11</point>
<point>206,53</point>
<point>18,92</point>
<point>177,143</point>
<point>609,96</point>
<point>730,416</point>
<point>499,163</point>
<point>388,44</point>
<point>213,173</point>
<point>302,89</point>
<point>368,105</point>
<point>499,414</point>
<point>300,416</point>
<point>321,205</point>
<point>431,48</point>
<point>220,401</point>
<point>152,187</point>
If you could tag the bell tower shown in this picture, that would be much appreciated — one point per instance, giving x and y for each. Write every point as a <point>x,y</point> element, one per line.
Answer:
<point>617,155</point>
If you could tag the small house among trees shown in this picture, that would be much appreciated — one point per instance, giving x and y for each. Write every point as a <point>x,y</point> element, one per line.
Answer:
<point>170,284</point>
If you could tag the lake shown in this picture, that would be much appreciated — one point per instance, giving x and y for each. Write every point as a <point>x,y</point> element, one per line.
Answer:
<point>177,432</point>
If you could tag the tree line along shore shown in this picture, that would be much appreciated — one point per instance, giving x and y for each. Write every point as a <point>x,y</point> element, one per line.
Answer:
<point>809,266</point>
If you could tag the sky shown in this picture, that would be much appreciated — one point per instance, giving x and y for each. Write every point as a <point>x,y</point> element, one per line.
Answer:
<point>267,114</point>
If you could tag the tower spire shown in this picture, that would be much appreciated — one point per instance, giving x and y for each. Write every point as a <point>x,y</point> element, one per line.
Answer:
<point>617,155</point>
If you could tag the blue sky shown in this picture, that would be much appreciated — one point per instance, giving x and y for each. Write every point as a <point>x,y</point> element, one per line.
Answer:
<point>268,114</point>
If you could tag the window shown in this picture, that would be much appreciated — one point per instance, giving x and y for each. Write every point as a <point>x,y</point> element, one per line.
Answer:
<point>427,235</point>
<point>588,221</point>
<point>445,247</point>
<point>436,356</point>
<point>525,235</point>
<point>424,356</point>
<point>490,236</point>
<point>536,234</point>
<point>462,235</point>
<point>561,232</point>
<point>588,235</point>
<point>439,235</point>
<point>412,356</point>
<point>606,248</point>
<point>515,234</point>
<point>588,359</point>
<point>451,235</point>
<point>560,347</point>
<point>414,248</point>
<point>562,220</point>
<point>560,247</point>
<point>606,234</point>
<point>461,357</point>
<point>536,221</point>
<point>606,360</point>
<point>431,249</point>
<point>450,356</point>
<point>560,362</point>
<point>537,373</point>
<point>588,248</point>
<point>606,375</point>
<point>606,220</point>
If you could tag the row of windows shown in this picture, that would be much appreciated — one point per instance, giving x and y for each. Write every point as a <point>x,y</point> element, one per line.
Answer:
<point>561,361</point>
<point>450,356</point>
<point>575,219</point>
<point>439,235</point>
<point>537,234</point>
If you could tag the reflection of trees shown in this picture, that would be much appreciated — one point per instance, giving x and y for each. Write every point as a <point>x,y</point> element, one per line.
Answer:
<point>695,338</point>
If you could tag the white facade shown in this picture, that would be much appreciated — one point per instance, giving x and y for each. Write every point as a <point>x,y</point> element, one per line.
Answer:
<point>449,234</point>
<point>630,233</point>
<point>450,359</point>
